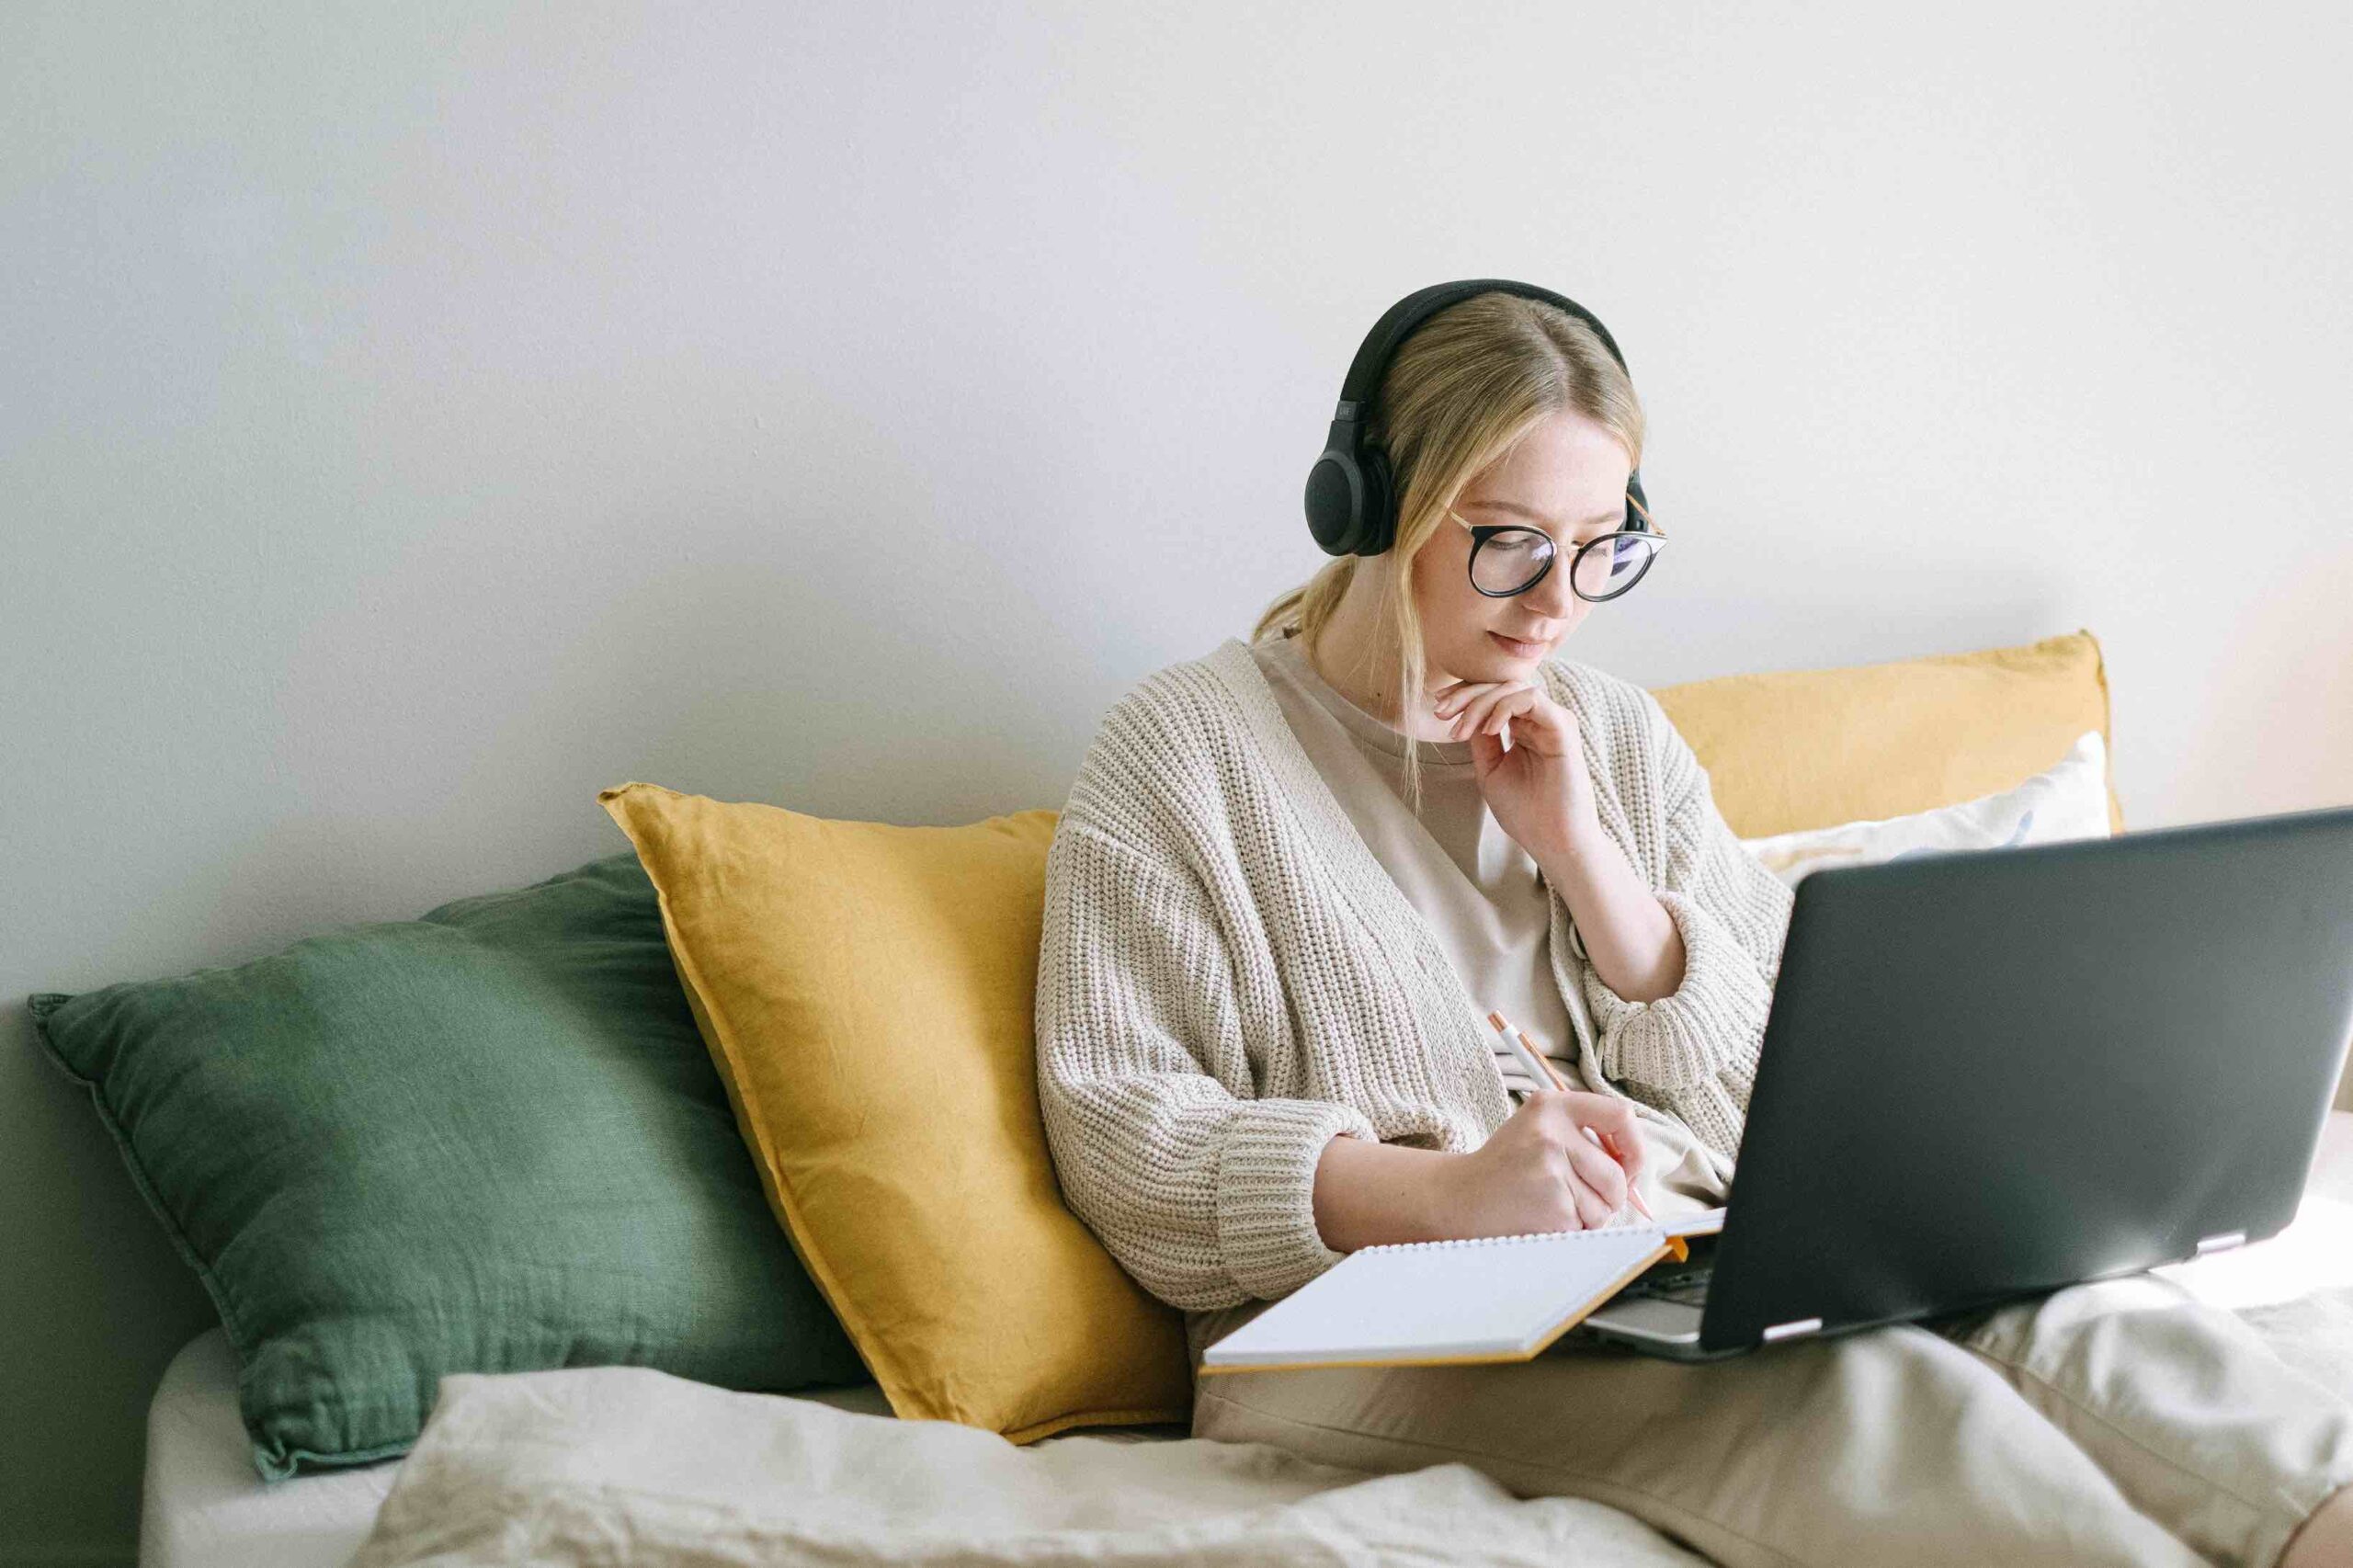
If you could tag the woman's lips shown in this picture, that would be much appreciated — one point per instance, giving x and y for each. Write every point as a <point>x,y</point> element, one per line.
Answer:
<point>1523,650</point>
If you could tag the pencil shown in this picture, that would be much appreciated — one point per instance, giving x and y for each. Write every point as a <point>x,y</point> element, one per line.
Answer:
<point>1531,1059</point>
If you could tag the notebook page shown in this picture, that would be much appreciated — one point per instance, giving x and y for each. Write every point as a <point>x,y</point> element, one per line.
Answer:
<point>1706,1222</point>
<point>1488,1298</point>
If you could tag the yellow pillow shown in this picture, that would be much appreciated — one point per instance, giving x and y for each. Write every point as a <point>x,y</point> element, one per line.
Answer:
<point>868,993</point>
<point>1798,749</point>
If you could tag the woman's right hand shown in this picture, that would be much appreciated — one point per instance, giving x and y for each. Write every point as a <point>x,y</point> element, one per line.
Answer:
<point>1539,1172</point>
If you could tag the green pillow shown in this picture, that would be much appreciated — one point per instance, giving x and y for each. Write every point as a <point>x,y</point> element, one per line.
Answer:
<point>490,1139</point>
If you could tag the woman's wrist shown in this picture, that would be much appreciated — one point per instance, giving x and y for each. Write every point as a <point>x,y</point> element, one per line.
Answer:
<point>1629,939</point>
<point>1572,854</point>
<point>1370,1194</point>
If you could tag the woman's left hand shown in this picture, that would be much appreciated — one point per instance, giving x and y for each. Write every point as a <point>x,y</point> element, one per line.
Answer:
<point>1540,791</point>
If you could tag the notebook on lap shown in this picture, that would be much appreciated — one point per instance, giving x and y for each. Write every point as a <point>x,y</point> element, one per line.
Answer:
<point>1432,1303</point>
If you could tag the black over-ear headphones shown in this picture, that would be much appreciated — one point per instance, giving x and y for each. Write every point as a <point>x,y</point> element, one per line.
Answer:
<point>1351,504</point>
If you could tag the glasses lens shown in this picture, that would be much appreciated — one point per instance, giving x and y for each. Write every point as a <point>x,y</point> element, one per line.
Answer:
<point>1510,561</point>
<point>1612,565</point>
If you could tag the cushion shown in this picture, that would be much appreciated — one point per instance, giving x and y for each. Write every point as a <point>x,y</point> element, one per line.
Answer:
<point>488,1140</point>
<point>869,991</point>
<point>2068,800</point>
<point>1797,749</point>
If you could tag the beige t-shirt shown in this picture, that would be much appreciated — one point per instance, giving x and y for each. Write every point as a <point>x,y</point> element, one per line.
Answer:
<point>1482,895</point>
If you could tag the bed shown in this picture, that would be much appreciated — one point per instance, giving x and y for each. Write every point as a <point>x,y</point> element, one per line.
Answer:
<point>205,1508</point>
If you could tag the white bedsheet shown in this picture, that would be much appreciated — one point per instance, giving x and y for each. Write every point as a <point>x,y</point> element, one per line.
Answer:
<point>205,1506</point>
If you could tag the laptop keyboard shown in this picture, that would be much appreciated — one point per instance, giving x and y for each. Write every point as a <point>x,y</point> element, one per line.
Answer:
<point>1687,1287</point>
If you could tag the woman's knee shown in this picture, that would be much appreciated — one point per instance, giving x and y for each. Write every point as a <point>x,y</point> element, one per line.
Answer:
<point>2140,1305</point>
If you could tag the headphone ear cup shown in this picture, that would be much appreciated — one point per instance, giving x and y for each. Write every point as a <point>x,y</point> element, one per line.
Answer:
<point>1379,504</point>
<point>1335,502</point>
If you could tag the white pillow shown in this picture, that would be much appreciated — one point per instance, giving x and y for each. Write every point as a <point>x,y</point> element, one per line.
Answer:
<point>2070,800</point>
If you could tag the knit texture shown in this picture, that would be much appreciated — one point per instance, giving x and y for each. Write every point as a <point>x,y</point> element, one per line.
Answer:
<point>1227,977</point>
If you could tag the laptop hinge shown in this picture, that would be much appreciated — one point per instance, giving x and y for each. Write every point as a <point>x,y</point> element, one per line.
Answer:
<point>1791,1330</point>
<point>2223,1242</point>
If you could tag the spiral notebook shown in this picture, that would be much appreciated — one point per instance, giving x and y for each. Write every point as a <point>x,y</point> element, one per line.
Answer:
<point>1437,1303</point>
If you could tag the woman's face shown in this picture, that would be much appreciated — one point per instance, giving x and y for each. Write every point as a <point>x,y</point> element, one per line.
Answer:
<point>1566,476</point>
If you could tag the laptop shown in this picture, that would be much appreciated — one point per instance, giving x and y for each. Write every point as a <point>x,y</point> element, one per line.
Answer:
<point>1990,1073</point>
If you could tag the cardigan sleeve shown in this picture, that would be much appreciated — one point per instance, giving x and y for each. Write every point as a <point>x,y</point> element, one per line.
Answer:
<point>1200,1190</point>
<point>1695,1049</point>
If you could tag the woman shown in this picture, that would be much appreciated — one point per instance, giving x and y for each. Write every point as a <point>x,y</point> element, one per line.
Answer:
<point>1292,877</point>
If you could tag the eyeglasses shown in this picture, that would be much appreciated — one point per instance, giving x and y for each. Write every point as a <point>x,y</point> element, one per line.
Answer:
<point>1511,558</point>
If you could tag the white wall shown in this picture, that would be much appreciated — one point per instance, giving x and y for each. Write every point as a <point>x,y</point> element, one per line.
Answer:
<point>413,419</point>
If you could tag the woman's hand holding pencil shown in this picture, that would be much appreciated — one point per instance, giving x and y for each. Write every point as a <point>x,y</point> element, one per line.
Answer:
<point>1568,1160</point>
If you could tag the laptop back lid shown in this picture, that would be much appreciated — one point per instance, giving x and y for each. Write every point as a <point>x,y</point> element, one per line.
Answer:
<point>1991,1072</point>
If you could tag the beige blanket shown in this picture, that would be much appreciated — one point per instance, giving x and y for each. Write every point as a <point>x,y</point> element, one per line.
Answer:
<point>609,1465</point>
<point>619,1465</point>
<point>613,1465</point>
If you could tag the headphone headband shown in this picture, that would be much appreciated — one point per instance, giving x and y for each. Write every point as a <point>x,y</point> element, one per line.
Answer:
<point>1351,501</point>
<point>1398,322</point>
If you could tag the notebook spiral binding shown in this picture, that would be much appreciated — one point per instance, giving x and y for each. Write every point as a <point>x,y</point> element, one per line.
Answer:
<point>1498,1240</point>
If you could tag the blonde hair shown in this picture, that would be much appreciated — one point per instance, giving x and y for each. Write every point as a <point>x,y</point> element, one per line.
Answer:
<point>1468,385</point>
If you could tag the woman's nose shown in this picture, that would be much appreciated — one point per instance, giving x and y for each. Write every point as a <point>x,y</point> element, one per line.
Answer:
<point>1553,598</point>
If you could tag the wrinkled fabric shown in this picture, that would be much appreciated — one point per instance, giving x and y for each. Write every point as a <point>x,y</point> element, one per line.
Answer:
<point>613,1465</point>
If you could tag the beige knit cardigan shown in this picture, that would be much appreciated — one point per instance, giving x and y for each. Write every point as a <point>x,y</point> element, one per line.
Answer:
<point>1228,977</point>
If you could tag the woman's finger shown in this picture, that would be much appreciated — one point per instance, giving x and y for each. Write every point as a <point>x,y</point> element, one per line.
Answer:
<point>1455,690</point>
<point>1473,717</point>
<point>1464,720</point>
<point>1478,715</point>
<point>1593,1209</point>
<point>1524,715</point>
<point>1624,1131</point>
<point>1615,1122</point>
<point>1627,1148</point>
<point>1448,702</point>
<point>1604,1174</point>
<point>1505,708</point>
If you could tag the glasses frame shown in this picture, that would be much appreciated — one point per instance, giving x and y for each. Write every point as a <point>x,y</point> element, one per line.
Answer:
<point>1482,532</point>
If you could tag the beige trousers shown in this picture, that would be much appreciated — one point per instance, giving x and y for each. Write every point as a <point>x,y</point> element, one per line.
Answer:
<point>2117,1421</point>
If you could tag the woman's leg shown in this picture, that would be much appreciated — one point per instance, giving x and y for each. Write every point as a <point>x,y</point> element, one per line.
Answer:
<point>1890,1445</point>
<point>2201,1425</point>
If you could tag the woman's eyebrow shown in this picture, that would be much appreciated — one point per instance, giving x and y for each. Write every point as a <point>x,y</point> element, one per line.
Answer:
<point>1534,516</point>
